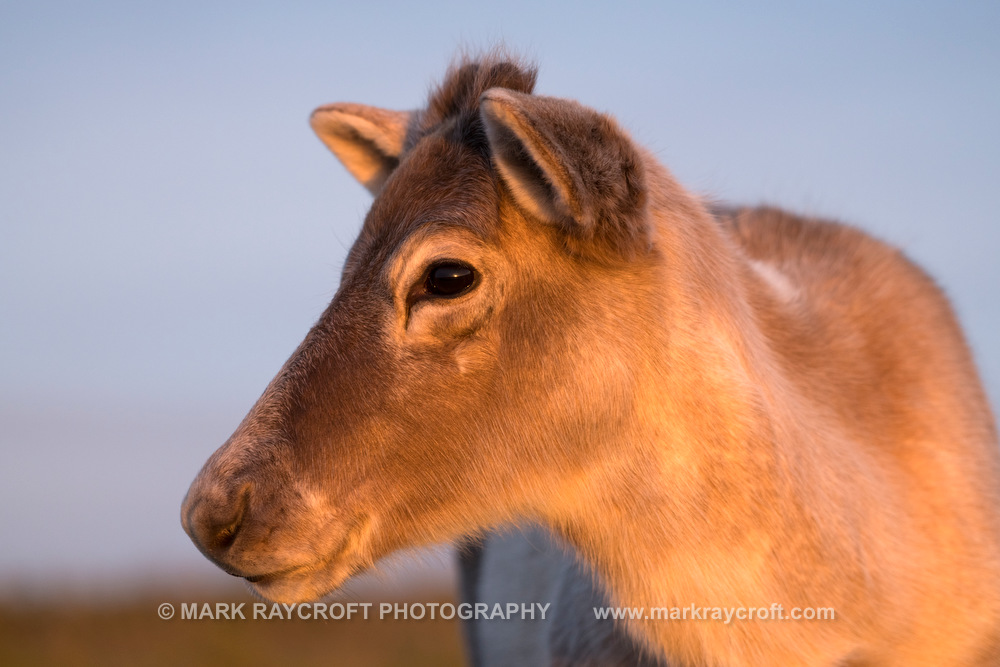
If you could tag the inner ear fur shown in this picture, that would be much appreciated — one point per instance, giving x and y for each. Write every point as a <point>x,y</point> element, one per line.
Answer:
<point>569,166</point>
<point>367,140</point>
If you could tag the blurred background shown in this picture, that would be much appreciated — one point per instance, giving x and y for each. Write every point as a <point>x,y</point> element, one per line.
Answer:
<point>170,228</point>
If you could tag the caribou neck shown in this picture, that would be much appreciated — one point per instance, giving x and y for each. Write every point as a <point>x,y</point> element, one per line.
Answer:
<point>716,498</point>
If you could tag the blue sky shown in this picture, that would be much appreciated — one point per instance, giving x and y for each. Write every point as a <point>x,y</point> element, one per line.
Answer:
<point>169,227</point>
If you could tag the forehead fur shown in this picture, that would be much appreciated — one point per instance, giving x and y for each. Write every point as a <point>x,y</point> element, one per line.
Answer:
<point>440,182</point>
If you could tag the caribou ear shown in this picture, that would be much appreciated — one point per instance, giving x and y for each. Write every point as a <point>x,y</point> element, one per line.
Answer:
<point>367,140</point>
<point>569,166</point>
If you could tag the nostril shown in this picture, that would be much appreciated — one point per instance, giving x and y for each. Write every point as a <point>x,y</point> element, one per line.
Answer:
<point>214,525</point>
<point>225,536</point>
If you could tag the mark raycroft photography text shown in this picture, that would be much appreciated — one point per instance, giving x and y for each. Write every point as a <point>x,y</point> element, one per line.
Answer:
<point>727,615</point>
<point>509,611</point>
<point>336,611</point>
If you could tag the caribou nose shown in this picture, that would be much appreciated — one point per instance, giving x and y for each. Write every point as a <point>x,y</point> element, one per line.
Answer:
<point>212,518</point>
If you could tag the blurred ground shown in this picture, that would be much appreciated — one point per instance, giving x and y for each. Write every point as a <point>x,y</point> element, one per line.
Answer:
<point>129,632</point>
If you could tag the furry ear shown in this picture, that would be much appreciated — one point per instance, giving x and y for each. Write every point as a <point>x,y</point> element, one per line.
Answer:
<point>569,166</point>
<point>367,140</point>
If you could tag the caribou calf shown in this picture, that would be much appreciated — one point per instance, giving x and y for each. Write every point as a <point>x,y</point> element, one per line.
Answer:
<point>537,323</point>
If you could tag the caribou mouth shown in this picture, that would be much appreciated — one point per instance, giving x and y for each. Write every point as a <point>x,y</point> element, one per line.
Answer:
<point>310,581</point>
<point>303,584</point>
<point>267,576</point>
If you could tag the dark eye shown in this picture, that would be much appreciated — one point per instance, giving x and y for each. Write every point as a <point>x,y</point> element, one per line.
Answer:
<point>449,279</point>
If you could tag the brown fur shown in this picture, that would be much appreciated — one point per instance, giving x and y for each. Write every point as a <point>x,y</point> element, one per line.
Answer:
<point>719,410</point>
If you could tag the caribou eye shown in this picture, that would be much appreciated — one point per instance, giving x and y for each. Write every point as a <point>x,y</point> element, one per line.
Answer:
<point>449,279</point>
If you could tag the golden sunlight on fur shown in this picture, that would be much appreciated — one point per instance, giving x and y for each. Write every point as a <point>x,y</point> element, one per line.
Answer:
<point>538,326</point>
